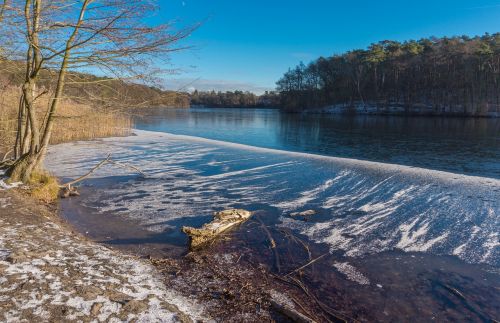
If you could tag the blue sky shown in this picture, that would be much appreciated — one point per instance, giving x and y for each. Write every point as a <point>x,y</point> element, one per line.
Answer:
<point>249,44</point>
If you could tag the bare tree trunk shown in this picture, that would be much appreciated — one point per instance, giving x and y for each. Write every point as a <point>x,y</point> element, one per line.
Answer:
<point>20,130</point>
<point>22,169</point>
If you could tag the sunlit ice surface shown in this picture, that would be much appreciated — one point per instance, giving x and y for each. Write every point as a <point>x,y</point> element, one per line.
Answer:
<point>363,207</point>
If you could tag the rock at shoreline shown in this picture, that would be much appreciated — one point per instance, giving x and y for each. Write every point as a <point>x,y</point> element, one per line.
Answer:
<point>222,221</point>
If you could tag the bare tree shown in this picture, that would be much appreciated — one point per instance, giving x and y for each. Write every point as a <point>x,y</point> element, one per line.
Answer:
<point>116,38</point>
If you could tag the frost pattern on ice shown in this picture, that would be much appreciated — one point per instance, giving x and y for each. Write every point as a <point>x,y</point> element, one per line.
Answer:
<point>364,207</point>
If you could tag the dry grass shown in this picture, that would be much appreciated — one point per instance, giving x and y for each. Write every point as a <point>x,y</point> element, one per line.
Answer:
<point>8,104</point>
<point>44,187</point>
<point>74,121</point>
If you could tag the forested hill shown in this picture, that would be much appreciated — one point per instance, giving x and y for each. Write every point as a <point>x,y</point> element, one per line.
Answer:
<point>101,92</point>
<point>443,76</point>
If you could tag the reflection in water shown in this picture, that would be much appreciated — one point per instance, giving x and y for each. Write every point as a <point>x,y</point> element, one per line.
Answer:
<point>460,145</point>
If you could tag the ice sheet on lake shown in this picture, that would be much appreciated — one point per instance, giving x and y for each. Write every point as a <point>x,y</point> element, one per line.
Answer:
<point>364,207</point>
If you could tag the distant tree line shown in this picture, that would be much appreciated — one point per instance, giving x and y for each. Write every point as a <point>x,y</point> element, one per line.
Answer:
<point>458,75</point>
<point>236,99</point>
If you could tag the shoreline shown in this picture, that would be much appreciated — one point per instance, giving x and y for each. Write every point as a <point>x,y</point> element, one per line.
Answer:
<point>396,111</point>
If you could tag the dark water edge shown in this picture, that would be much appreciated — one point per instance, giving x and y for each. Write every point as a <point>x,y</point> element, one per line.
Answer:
<point>402,110</point>
<point>388,286</point>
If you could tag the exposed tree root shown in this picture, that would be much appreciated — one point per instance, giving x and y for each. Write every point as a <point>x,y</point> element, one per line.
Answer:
<point>22,168</point>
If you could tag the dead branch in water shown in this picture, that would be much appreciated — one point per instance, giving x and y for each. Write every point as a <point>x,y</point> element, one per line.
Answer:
<point>272,244</point>
<point>71,191</point>
<point>297,240</point>
<point>306,265</point>
<point>325,308</point>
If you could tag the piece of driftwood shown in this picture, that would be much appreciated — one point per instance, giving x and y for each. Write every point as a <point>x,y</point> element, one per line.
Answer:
<point>291,313</point>
<point>222,222</point>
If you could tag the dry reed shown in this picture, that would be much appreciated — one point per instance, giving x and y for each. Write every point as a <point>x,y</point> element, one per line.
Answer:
<point>74,121</point>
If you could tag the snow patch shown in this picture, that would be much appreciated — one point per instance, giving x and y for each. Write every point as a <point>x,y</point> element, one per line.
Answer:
<point>4,186</point>
<point>351,273</point>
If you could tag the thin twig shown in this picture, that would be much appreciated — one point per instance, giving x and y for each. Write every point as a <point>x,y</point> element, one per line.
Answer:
<point>299,241</point>
<point>296,302</point>
<point>6,154</point>
<point>304,266</point>
<point>127,166</point>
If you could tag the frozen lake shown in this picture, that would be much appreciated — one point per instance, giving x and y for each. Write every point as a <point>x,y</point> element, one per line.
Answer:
<point>392,232</point>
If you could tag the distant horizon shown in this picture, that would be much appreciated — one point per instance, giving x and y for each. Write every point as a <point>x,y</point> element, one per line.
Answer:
<point>249,45</point>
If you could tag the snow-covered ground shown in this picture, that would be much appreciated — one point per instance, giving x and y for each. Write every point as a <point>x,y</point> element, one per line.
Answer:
<point>49,274</point>
<point>364,207</point>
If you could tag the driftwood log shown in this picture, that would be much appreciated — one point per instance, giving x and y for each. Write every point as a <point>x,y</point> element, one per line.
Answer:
<point>222,222</point>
